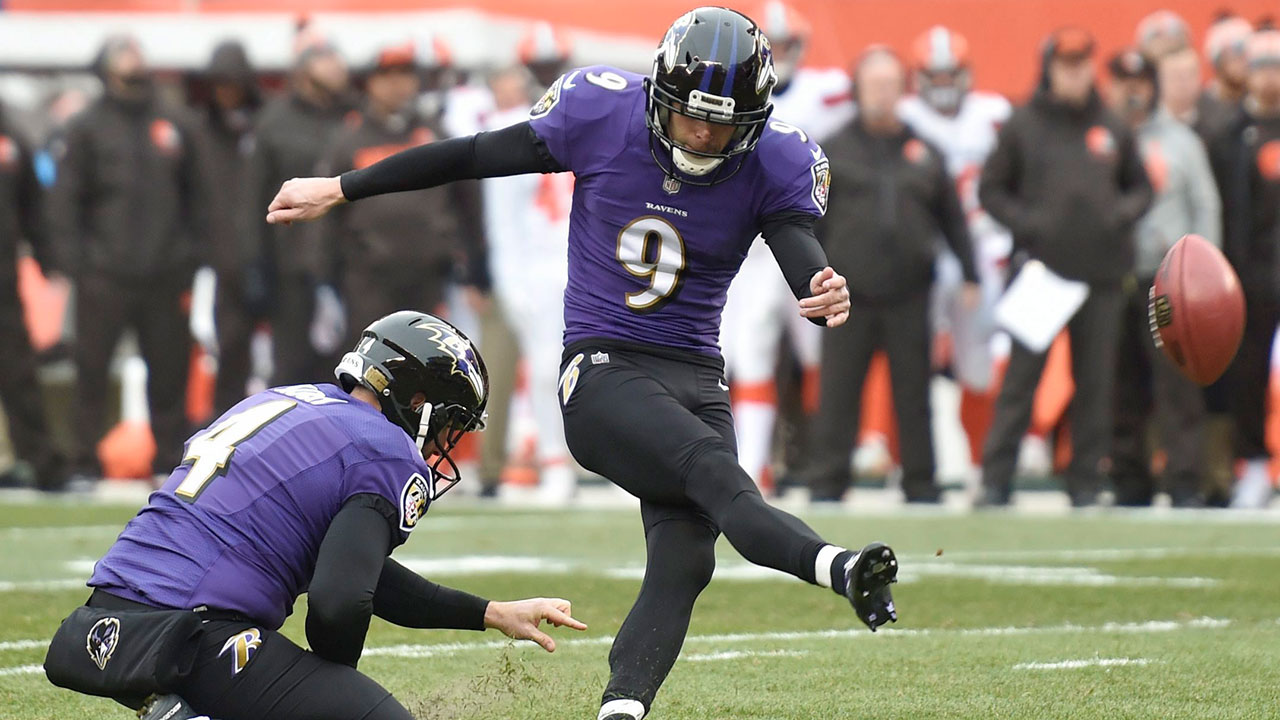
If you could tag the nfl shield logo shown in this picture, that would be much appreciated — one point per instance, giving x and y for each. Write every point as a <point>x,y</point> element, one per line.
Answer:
<point>670,185</point>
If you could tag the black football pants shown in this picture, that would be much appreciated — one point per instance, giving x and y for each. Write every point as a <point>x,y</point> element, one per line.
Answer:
<point>105,307</point>
<point>1149,388</point>
<point>902,329</point>
<point>1094,331</point>
<point>1249,377</point>
<point>245,672</point>
<point>235,326</point>
<point>294,358</point>
<point>21,395</point>
<point>658,424</point>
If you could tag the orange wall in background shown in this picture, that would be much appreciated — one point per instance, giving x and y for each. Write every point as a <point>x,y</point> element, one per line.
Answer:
<point>1004,34</point>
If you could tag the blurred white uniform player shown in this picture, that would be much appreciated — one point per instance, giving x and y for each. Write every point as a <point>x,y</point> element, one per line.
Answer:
<point>760,308</point>
<point>962,123</point>
<point>527,225</point>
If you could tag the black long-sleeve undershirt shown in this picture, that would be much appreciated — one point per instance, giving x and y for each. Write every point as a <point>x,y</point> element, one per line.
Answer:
<point>354,580</point>
<point>517,150</point>
<point>514,150</point>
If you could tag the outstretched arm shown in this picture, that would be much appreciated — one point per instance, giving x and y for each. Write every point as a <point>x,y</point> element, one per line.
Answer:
<point>513,150</point>
<point>407,599</point>
<point>354,580</point>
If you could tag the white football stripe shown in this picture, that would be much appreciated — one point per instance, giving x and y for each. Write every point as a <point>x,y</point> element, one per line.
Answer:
<point>1004,574</point>
<point>1104,554</point>
<point>43,585</point>
<point>446,649</point>
<point>23,645</point>
<point>1151,626</point>
<point>739,654</point>
<point>1076,664</point>
<point>484,564</point>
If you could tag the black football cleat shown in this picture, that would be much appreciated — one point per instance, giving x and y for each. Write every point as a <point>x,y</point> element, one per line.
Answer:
<point>866,584</point>
<point>168,707</point>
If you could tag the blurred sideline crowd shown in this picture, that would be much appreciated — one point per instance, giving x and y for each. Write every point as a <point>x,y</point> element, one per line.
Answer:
<point>132,204</point>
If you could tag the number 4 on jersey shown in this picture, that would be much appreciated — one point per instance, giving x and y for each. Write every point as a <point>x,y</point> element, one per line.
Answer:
<point>210,452</point>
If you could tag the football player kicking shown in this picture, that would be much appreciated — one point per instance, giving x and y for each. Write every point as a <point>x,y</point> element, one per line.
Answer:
<point>676,173</point>
<point>305,488</point>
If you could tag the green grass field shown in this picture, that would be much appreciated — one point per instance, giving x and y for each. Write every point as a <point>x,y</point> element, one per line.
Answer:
<point>1157,615</point>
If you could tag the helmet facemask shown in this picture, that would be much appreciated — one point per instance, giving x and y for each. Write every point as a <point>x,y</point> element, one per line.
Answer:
<point>944,97</point>
<point>700,167</point>
<point>440,428</point>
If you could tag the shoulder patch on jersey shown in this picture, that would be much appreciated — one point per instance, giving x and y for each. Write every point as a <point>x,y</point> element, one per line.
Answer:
<point>548,100</point>
<point>821,172</point>
<point>414,498</point>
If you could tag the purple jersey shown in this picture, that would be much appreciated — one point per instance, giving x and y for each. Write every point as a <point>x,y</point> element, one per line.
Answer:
<point>650,259</point>
<point>238,525</point>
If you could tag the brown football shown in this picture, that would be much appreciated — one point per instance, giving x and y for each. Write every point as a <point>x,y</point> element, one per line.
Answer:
<point>1196,309</point>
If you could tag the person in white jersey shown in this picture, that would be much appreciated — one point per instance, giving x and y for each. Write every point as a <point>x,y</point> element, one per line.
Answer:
<point>758,312</point>
<point>527,225</point>
<point>962,123</point>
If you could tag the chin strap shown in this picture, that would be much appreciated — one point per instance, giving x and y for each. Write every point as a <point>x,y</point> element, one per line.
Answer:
<point>694,165</point>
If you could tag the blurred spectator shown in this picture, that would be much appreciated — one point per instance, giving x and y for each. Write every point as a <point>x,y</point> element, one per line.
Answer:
<point>759,313</point>
<point>544,50</point>
<point>527,225</point>
<point>438,79</point>
<point>1252,200</point>
<point>22,219</point>
<point>395,252</point>
<point>286,274</point>
<point>1148,385</point>
<point>1179,83</point>
<point>1067,180</point>
<point>1224,49</point>
<point>227,123</point>
<point>1216,121</point>
<point>893,198</point>
<point>62,105</point>
<point>1161,33</point>
<point>962,122</point>
<point>125,213</point>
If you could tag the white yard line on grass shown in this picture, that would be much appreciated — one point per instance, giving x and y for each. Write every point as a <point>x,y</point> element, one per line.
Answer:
<point>1102,554</point>
<point>1152,626</point>
<point>448,649</point>
<point>485,564</point>
<point>63,530</point>
<point>739,654</point>
<point>23,644</point>
<point>1077,664</point>
<point>1003,574</point>
<point>43,585</point>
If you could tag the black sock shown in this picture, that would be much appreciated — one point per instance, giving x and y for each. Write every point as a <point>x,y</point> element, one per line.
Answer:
<point>837,570</point>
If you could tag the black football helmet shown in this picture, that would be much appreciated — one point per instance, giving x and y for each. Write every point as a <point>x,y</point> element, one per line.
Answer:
<point>407,353</point>
<point>714,64</point>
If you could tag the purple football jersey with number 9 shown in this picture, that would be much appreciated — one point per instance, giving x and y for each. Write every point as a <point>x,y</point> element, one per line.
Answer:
<point>238,524</point>
<point>650,259</point>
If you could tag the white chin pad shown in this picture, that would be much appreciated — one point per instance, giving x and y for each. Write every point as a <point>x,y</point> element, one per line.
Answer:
<point>424,426</point>
<point>694,165</point>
